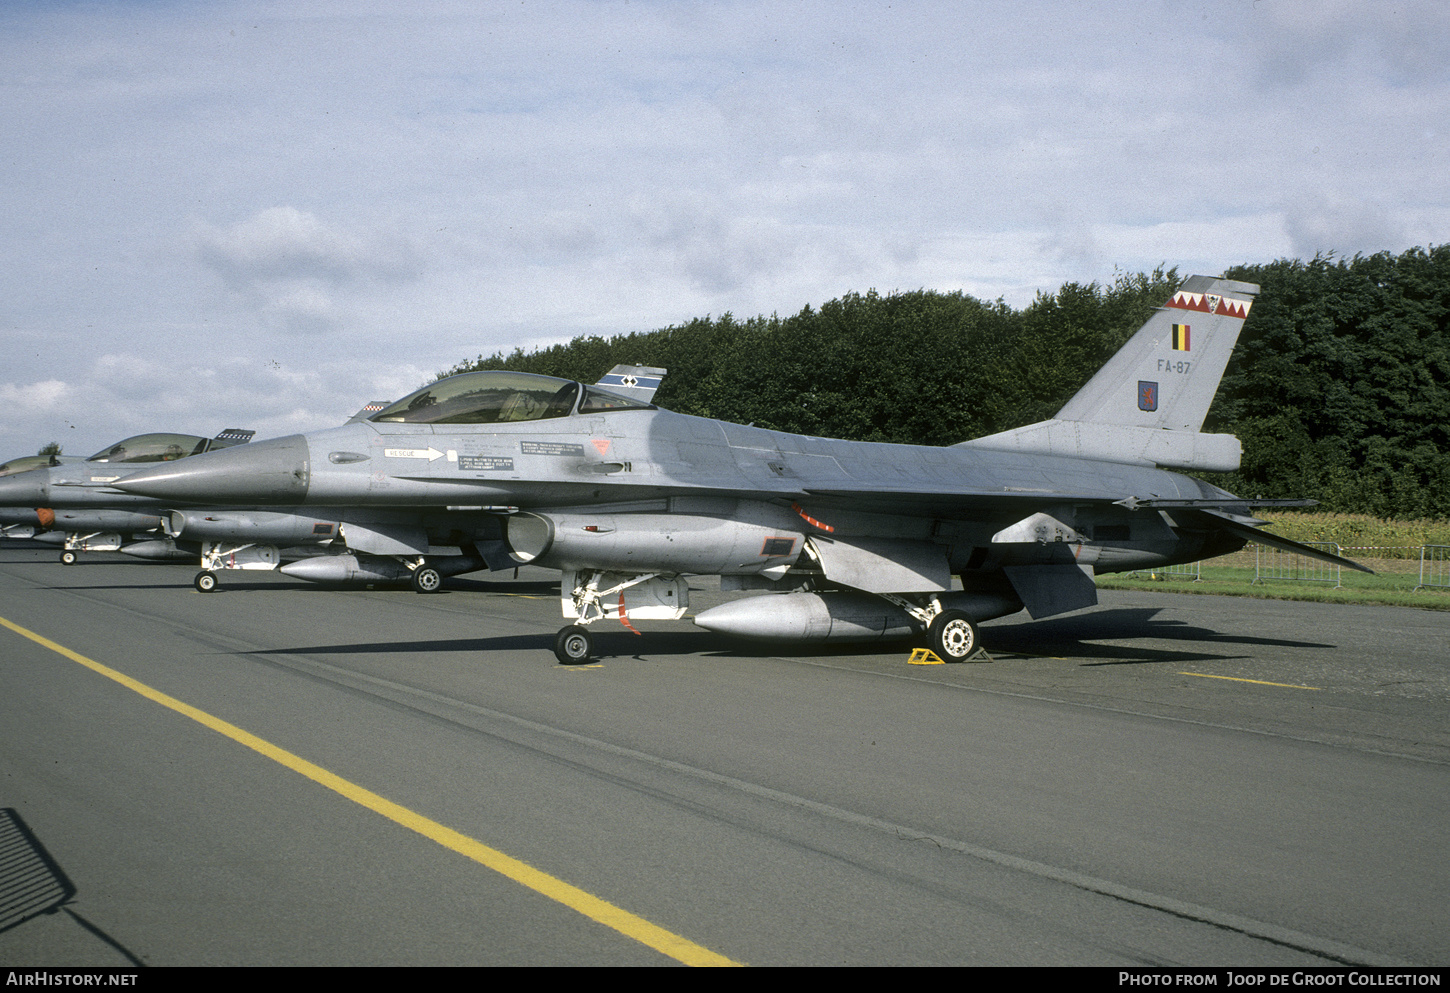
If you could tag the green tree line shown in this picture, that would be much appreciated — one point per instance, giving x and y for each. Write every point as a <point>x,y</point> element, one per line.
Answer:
<point>1339,388</point>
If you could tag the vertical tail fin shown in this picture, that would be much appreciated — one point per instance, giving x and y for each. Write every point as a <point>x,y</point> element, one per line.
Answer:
<point>1147,404</point>
<point>228,437</point>
<point>1167,374</point>
<point>637,382</point>
<point>369,409</point>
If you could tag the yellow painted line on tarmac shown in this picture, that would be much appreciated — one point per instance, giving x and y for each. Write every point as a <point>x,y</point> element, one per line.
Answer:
<point>1261,682</point>
<point>630,925</point>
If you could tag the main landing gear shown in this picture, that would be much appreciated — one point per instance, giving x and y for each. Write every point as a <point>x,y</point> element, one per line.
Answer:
<point>573,645</point>
<point>953,636</point>
<point>427,579</point>
<point>596,595</point>
<point>217,556</point>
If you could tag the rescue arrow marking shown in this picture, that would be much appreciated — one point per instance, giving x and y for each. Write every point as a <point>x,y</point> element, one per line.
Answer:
<point>430,453</point>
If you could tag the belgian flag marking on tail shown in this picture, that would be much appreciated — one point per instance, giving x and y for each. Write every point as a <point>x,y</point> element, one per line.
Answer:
<point>1180,337</point>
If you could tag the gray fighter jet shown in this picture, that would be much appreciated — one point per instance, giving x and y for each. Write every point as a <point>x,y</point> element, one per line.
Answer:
<point>846,540</point>
<point>27,462</point>
<point>72,502</point>
<point>18,523</point>
<point>360,545</point>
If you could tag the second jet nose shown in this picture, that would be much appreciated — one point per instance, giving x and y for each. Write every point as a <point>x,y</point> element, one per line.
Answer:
<point>274,471</point>
<point>25,489</point>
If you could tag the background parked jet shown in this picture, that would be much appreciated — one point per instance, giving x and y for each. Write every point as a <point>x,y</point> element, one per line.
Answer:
<point>72,502</point>
<point>27,462</point>
<point>856,540</point>
<point>17,522</point>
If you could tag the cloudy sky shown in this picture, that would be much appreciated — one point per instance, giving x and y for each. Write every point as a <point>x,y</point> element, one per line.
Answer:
<point>266,214</point>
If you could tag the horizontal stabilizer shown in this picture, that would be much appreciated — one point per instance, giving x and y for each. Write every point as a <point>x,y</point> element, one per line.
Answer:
<point>1225,522</point>
<point>1213,503</point>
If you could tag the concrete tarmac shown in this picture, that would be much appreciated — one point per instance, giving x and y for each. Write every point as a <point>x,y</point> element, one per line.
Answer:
<point>1163,779</point>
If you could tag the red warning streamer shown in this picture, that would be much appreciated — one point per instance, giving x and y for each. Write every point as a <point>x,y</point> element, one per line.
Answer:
<point>624,618</point>
<point>811,520</point>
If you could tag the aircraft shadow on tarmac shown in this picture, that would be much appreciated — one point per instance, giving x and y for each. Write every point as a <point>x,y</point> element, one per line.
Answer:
<point>253,585</point>
<point>610,645</point>
<point>33,884</point>
<point>1072,638</point>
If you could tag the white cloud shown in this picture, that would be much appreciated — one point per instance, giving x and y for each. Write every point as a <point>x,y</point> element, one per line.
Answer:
<point>287,243</point>
<point>43,396</point>
<point>1298,42</point>
<point>1340,224</point>
<point>293,266</point>
<point>122,394</point>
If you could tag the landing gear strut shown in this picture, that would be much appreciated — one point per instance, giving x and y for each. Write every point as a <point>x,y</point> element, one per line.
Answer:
<point>601,595</point>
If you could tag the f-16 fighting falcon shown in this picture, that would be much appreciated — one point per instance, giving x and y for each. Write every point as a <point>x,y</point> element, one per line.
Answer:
<point>845,540</point>
<point>16,522</point>
<point>354,544</point>
<point>27,462</point>
<point>71,502</point>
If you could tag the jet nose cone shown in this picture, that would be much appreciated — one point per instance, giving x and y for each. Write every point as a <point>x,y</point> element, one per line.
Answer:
<point>274,471</point>
<point>25,489</point>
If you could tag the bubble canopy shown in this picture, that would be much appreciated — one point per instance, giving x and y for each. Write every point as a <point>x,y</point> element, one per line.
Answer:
<point>26,463</point>
<point>499,397</point>
<point>152,448</point>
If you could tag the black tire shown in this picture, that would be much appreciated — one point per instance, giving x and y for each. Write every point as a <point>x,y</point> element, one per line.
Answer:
<point>205,581</point>
<point>426,580</point>
<point>953,636</point>
<point>67,557</point>
<point>573,645</point>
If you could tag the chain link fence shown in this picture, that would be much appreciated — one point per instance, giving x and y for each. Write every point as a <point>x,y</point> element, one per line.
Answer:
<point>1188,570</point>
<point>1273,563</point>
<point>1434,566</point>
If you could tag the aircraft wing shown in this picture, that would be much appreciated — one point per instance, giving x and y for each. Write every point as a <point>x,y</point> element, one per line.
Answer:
<point>950,503</point>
